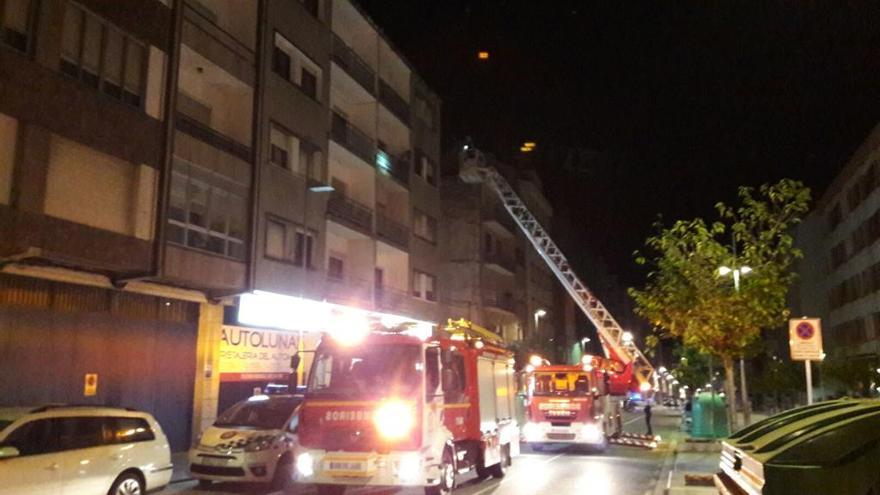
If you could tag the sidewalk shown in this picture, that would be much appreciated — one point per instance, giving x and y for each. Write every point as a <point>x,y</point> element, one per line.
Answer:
<point>690,464</point>
<point>181,468</point>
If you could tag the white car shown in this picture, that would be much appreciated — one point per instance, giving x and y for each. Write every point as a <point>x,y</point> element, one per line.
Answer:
<point>84,450</point>
<point>252,441</point>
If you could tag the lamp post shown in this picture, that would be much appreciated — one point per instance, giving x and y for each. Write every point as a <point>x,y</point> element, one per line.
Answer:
<point>737,272</point>
<point>539,313</point>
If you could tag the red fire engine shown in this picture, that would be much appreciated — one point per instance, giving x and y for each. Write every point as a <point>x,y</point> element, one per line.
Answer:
<point>396,409</point>
<point>570,403</point>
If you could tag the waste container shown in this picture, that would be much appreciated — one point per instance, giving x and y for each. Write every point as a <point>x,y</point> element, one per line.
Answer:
<point>709,416</point>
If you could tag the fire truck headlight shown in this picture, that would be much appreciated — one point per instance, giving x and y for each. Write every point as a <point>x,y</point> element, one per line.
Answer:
<point>591,433</point>
<point>394,420</point>
<point>531,432</point>
<point>305,464</point>
<point>409,467</point>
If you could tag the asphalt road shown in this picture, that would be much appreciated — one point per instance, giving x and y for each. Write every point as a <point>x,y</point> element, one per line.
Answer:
<point>556,471</point>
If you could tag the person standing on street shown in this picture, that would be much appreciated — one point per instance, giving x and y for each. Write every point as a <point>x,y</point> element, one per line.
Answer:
<point>648,418</point>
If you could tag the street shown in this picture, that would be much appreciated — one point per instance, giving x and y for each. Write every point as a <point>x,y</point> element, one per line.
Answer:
<point>556,470</point>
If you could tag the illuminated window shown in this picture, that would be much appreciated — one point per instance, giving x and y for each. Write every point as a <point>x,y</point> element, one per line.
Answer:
<point>424,286</point>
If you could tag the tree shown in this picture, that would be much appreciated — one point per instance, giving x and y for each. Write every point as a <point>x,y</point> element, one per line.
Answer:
<point>692,369</point>
<point>685,298</point>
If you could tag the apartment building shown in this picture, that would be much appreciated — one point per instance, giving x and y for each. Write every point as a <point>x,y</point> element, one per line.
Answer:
<point>162,162</point>
<point>839,275</point>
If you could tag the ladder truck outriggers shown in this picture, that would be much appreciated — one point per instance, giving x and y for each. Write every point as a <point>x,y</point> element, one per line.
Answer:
<point>617,344</point>
<point>394,408</point>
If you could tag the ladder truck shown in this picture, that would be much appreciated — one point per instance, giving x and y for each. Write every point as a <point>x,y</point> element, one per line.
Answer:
<point>616,343</point>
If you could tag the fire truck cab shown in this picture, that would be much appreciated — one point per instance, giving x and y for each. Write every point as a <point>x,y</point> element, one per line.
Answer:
<point>395,409</point>
<point>569,404</point>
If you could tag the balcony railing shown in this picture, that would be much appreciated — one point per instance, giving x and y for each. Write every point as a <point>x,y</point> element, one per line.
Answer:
<point>500,300</point>
<point>388,298</point>
<point>350,212</point>
<point>393,231</point>
<point>394,101</point>
<point>199,130</point>
<point>354,65</point>
<point>395,167</point>
<point>500,259</point>
<point>352,139</point>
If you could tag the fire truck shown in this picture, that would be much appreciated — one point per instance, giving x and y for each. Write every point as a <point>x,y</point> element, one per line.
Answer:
<point>571,403</point>
<point>393,408</point>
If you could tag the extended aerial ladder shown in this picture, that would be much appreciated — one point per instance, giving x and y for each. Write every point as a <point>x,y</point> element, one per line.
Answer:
<point>616,343</point>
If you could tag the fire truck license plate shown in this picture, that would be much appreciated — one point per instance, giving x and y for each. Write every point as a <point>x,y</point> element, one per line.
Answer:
<point>350,468</point>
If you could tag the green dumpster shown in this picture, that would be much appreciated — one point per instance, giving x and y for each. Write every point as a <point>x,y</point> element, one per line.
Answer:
<point>709,416</point>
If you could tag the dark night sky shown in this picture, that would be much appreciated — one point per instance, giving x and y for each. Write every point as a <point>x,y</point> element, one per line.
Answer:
<point>664,106</point>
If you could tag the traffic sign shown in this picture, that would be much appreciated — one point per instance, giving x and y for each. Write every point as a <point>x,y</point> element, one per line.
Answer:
<point>90,386</point>
<point>805,339</point>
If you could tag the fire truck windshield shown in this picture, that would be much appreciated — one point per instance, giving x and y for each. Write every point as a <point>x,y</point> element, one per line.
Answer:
<point>561,384</point>
<point>366,371</point>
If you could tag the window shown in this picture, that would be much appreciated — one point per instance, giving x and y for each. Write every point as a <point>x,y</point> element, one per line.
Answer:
<point>129,430</point>
<point>207,210</point>
<point>15,23</point>
<point>295,66</point>
<point>276,236</point>
<point>305,244</point>
<point>335,268</point>
<point>426,169</point>
<point>34,438</point>
<point>292,153</point>
<point>424,111</point>
<point>453,378</point>
<point>432,372</point>
<point>424,286</point>
<point>102,56</point>
<point>81,432</point>
<point>424,226</point>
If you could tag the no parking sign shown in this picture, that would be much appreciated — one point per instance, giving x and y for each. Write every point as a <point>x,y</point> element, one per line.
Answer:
<point>805,339</point>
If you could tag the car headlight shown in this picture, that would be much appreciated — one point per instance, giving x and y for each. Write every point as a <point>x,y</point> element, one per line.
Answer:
<point>591,433</point>
<point>260,444</point>
<point>409,467</point>
<point>305,464</point>
<point>394,419</point>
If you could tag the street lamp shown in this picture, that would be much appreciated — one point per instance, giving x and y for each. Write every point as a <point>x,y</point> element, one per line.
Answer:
<point>737,273</point>
<point>539,313</point>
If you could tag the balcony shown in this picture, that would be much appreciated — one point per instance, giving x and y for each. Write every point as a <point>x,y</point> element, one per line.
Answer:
<point>350,213</point>
<point>346,290</point>
<point>499,300</point>
<point>353,65</point>
<point>189,125</point>
<point>352,139</point>
<point>391,299</point>
<point>394,102</point>
<point>501,262</point>
<point>394,232</point>
<point>398,168</point>
<point>498,216</point>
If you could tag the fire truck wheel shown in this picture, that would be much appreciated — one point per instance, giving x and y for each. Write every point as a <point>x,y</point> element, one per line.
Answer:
<point>500,469</point>
<point>330,489</point>
<point>447,476</point>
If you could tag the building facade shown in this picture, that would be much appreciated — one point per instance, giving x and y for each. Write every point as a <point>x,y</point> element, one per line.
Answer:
<point>162,161</point>
<point>839,275</point>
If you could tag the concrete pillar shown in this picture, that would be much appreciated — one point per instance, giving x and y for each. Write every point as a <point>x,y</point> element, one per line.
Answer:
<point>207,387</point>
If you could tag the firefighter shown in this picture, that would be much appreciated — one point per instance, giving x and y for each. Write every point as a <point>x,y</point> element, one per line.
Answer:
<point>648,418</point>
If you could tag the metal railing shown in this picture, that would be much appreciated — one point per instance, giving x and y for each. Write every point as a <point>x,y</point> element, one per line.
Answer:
<point>500,300</point>
<point>393,231</point>
<point>350,212</point>
<point>354,65</point>
<point>389,97</point>
<point>352,139</point>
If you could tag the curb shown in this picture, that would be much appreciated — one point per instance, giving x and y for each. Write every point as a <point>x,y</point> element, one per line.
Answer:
<point>662,483</point>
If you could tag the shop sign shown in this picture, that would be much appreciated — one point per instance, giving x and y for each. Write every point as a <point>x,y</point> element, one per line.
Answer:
<point>255,350</point>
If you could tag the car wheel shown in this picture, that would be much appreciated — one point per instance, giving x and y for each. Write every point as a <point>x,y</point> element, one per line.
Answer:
<point>330,489</point>
<point>283,476</point>
<point>127,484</point>
<point>500,469</point>
<point>447,476</point>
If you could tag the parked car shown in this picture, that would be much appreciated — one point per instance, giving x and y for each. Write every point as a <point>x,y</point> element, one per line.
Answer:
<point>828,447</point>
<point>83,449</point>
<point>252,441</point>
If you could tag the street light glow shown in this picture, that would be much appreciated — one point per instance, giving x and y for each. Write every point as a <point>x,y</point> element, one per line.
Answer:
<point>724,270</point>
<point>662,370</point>
<point>535,360</point>
<point>745,269</point>
<point>540,313</point>
<point>627,337</point>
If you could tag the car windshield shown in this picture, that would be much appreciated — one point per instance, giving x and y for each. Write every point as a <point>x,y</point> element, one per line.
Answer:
<point>390,370</point>
<point>258,412</point>
<point>561,384</point>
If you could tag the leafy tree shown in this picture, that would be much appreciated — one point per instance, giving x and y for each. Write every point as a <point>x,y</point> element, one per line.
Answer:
<point>684,297</point>
<point>692,368</point>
